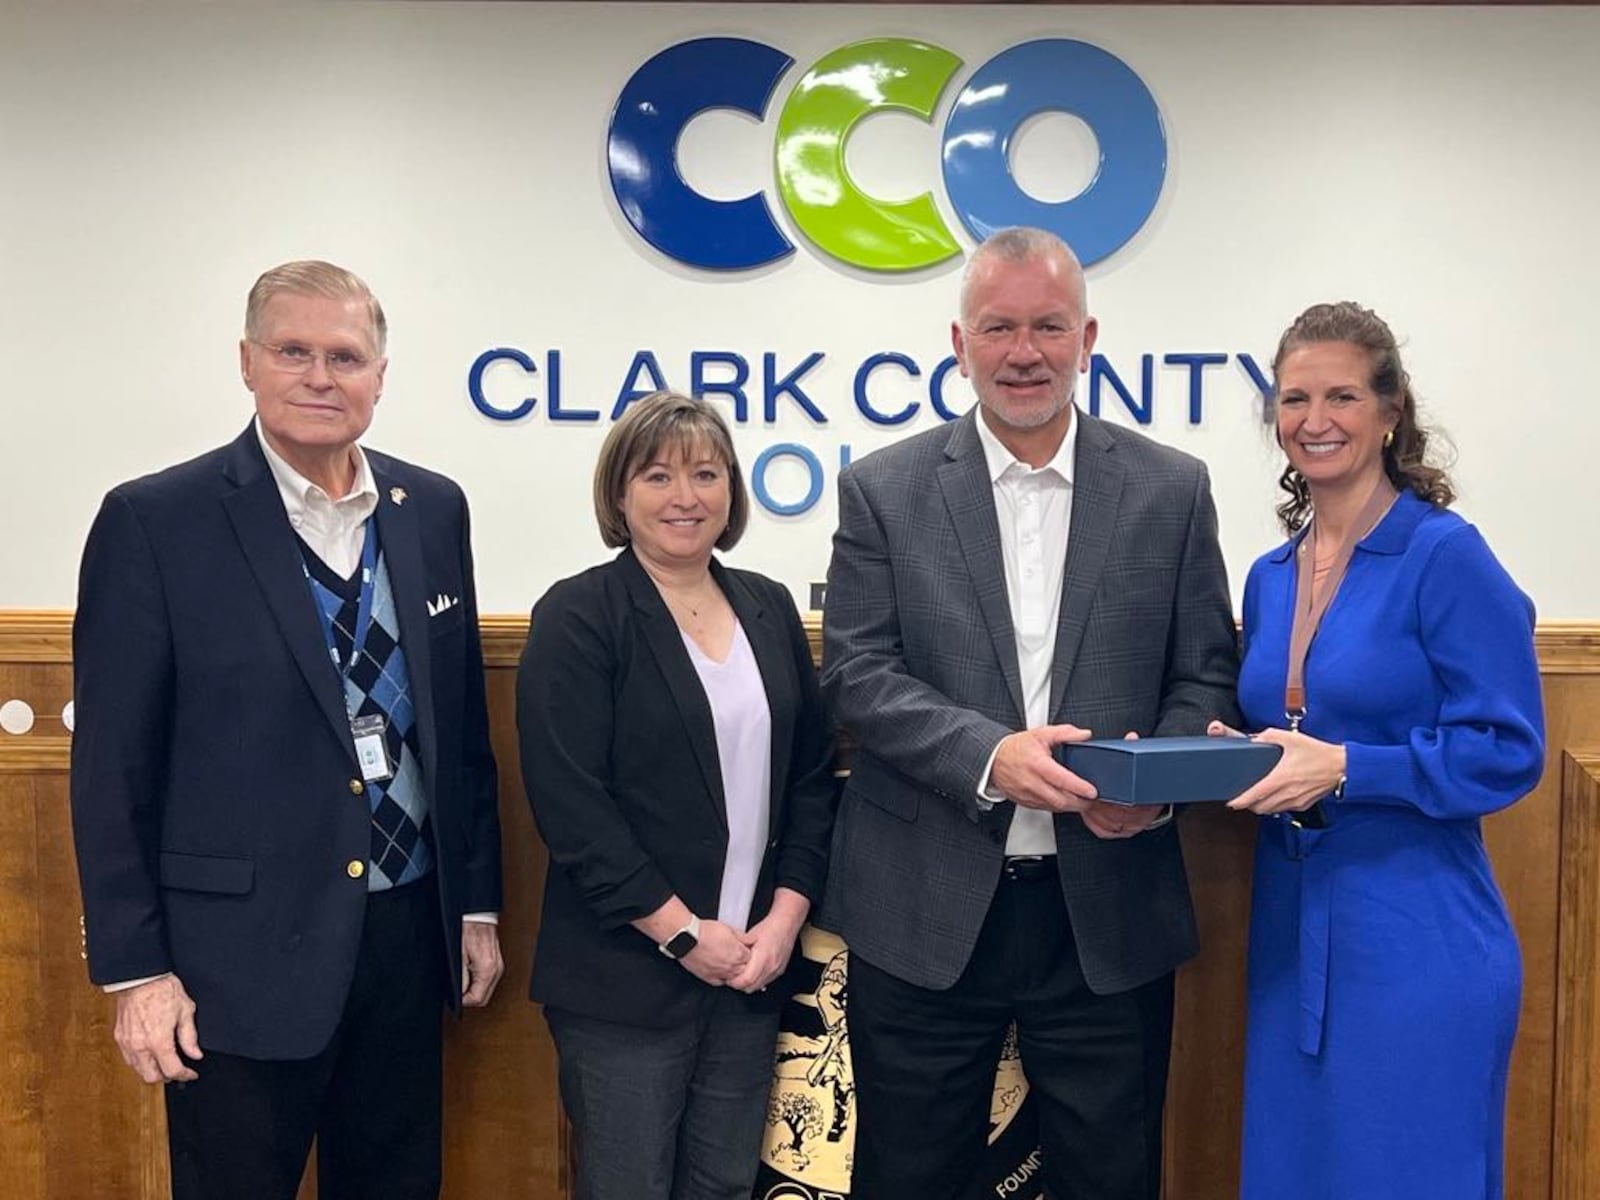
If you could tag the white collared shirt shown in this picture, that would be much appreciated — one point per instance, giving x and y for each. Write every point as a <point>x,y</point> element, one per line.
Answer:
<point>333,526</point>
<point>1033,508</point>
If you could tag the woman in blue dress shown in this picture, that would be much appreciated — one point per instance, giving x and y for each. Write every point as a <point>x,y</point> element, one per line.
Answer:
<point>1385,976</point>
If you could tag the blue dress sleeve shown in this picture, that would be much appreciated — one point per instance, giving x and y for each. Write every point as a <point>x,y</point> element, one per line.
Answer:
<point>1487,750</point>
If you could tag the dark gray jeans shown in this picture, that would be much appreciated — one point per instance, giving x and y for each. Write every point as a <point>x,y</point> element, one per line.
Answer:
<point>667,1114</point>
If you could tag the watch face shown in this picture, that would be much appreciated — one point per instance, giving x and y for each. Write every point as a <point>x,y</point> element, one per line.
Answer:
<point>682,942</point>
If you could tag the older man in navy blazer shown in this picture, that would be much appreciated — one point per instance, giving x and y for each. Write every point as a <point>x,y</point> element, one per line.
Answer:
<point>283,794</point>
<point>1001,586</point>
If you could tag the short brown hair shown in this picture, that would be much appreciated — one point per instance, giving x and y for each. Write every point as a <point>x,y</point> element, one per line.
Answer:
<point>313,277</point>
<point>659,422</point>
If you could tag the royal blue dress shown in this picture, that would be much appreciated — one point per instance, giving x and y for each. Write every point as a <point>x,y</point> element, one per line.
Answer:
<point>1385,977</point>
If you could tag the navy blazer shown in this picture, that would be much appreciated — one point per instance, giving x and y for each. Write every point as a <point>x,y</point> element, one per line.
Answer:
<point>216,797</point>
<point>619,756</point>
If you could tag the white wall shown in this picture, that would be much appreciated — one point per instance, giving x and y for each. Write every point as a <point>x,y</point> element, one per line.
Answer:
<point>1439,165</point>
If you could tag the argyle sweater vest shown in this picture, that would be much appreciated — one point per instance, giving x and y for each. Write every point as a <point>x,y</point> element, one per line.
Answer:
<point>378,682</point>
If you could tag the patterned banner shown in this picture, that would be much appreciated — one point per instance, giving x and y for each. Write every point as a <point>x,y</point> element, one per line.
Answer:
<point>811,1116</point>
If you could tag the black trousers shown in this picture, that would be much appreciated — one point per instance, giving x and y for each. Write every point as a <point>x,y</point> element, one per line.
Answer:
<point>243,1130</point>
<point>925,1063</point>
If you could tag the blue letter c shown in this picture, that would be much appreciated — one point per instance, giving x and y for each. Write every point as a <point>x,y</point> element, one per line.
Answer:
<point>664,95</point>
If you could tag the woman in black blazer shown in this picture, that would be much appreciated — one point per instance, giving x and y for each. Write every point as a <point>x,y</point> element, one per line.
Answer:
<point>678,759</point>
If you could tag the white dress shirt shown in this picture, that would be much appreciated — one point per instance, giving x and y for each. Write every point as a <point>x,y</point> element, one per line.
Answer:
<point>1034,509</point>
<point>334,527</point>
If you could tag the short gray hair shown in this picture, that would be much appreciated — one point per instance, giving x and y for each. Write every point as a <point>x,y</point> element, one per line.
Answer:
<point>1021,243</point>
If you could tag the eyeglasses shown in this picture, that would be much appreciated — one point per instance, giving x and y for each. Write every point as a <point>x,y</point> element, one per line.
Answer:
<point>292,356</point>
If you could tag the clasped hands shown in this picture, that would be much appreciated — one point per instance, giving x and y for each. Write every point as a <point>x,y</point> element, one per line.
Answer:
<point>749,961</point>
<point>1026,772</point>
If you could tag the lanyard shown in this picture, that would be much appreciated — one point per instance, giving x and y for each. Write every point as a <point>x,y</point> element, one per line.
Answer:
<point>1309,604</point>
<point>369,564</point>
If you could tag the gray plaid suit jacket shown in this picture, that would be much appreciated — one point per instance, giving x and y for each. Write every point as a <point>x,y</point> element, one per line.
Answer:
<point>920,663</point>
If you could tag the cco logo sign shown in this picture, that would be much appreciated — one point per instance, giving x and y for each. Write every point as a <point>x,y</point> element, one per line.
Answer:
<point>1049,75</point>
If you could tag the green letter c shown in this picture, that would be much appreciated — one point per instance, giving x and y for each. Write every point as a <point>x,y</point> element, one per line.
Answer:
<point>840,89</point>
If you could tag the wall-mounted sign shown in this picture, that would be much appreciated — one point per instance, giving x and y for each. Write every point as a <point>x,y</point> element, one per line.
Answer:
<point>837,216</point>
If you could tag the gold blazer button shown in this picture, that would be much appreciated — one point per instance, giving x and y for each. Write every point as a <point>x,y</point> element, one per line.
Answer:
<point>357,787</point>
<point>355,868</point>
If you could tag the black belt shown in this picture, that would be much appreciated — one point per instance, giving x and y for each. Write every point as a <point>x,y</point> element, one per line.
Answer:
<point>1027,868</point>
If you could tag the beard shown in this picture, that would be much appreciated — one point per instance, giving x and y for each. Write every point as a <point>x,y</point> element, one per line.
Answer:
<point>1026,414</point>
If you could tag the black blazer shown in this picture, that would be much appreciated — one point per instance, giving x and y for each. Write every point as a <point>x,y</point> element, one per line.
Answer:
<point>213,777</point>
<point>619,756</point>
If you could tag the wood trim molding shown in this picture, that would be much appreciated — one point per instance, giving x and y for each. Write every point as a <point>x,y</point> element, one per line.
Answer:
<point>1576,1141</point>
<point>35,635</point>
<point>34,754</point>
<point>45,636</point>
<point>503,637</point>
<point>1568,647</point>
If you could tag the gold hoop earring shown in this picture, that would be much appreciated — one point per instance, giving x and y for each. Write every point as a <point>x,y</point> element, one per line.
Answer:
<point>1388,439</point>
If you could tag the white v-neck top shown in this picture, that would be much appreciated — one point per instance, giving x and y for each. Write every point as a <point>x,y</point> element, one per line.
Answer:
<point>744,750</point>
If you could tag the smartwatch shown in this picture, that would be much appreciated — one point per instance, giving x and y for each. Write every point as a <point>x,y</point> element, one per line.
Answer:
<point>685,940</point>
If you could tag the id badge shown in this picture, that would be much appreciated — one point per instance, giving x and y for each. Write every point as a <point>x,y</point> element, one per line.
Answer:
<point>372,752</point>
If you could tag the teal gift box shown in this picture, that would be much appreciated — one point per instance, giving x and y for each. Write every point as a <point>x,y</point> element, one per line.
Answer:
<point>1175,770</point>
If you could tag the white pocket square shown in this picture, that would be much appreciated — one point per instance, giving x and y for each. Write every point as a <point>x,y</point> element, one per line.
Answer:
<point>442,603</point>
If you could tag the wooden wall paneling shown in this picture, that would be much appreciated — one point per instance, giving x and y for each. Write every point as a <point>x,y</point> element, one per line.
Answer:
<point>97,1131</point>
<point>1569,657</point>
<point>1205,1107</point>
<point>1524,842</point>
<point>1576,1132</point>
<point>504,1129</point>
<point>106,1131</point>
<point>22,997</point>
<point>74,1122</point>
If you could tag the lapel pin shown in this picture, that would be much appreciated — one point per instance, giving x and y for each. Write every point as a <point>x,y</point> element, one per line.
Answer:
<point>398,495</point>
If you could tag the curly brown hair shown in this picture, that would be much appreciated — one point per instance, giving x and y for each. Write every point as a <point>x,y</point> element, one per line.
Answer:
<point>1404,458</point>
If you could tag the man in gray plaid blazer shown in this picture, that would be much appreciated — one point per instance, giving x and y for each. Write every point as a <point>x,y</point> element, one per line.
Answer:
<point>1024,577</point>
